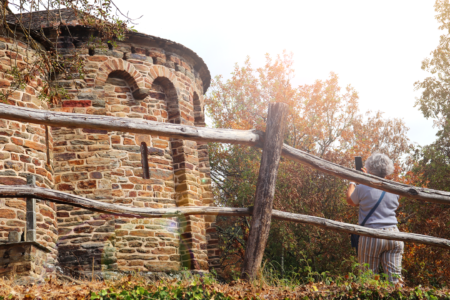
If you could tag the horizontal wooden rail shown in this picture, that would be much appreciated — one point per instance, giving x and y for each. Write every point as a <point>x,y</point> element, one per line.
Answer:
<point>23,191</point>
<point>401,189</point>
<point>60,119</point>
<point>246,137</point>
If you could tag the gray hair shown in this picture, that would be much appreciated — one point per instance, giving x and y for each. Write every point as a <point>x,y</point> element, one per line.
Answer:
<point>379,164</point>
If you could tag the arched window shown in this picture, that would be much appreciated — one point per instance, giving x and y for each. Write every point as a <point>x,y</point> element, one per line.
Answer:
<point>167,90</point>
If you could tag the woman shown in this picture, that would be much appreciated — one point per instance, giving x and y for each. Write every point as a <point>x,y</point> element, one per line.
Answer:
<point>373,251</point>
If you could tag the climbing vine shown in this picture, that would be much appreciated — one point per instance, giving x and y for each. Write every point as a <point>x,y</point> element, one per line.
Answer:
<point>37,57</point>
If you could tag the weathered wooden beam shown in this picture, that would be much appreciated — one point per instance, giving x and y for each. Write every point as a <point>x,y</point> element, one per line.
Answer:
<point>265,190</point>
<point>245,137</point>
<point>361,230</point>
<point>23,191</point>
<point>60,119</point>
<point>401,189</point>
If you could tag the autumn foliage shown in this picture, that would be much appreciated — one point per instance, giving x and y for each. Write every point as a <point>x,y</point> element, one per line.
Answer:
<point>324,120</point>
<point>185,286</point>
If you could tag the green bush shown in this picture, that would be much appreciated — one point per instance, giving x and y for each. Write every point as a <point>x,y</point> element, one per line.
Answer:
<point>162,293</point>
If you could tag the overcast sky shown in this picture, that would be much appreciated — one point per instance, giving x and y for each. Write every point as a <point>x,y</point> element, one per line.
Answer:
<point>376,46</point>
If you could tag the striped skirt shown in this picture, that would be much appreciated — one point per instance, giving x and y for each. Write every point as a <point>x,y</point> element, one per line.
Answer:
<point>373,251</point>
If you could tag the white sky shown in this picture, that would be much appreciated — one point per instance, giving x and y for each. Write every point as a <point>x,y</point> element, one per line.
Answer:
<point>376,46</point>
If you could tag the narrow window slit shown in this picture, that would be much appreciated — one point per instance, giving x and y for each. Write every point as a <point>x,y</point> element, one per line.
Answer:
<point>144,161</point>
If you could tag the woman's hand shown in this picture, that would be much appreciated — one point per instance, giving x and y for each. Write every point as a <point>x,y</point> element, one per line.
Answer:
<point>350,190</point>
<point>364,170</point>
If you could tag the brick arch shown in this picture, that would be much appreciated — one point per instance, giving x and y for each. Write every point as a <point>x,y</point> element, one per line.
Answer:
<point>172,99</point>
<point>157,71</point>
<point>129,73</point>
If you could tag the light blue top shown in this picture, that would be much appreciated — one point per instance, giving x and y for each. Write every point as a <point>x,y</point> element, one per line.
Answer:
<point>384,215</point>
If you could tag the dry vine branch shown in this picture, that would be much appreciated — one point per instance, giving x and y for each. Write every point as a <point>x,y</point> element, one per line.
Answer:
<point>50,62</point>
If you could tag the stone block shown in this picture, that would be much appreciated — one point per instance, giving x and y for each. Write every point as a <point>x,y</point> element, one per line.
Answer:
<point>142,233</point>
<point>4,155</point>
<point>7,213</point>
<point>65,187</point>
<point>34,145</point>
<point>140,93</point>
<point>14,236</point>
<point>5,83</point>
<point>29,260</point>
<point>64,156</point>
<point>16,166</point>
<point>13,148</point>
<point>70,177</point>
<point>162,266</point>
<point>77,103</point>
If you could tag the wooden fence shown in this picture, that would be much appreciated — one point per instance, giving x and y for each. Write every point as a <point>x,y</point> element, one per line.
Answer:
<point>262,212</point>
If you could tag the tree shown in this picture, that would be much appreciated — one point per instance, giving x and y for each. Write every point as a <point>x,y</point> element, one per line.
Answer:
<point>430,164</point>
<point>325,121</point>
<point>434,102</point>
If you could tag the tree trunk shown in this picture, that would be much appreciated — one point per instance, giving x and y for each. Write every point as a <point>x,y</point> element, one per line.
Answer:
<point>265,190</point>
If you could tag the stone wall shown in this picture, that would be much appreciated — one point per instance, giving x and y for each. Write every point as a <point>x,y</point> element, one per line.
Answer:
<point>24,148</point>
<point>29,260</point>
<point>106,166</point>
<point>133,80</point>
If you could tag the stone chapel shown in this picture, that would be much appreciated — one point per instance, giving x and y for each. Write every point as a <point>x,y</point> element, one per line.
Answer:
<point>141,77</point>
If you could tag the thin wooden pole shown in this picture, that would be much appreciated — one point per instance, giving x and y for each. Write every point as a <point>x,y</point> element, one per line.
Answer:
<point>31,212</point>
<point>265,190</point>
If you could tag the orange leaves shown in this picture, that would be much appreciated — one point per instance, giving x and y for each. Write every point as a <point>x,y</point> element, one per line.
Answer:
<point>324,120</point>
<point>51,288</point>
<point>241,102</point>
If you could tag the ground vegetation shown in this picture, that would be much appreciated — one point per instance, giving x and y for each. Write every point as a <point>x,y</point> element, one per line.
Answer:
<point>184,285</point>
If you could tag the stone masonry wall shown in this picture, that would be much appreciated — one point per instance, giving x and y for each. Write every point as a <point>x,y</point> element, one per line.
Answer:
<point>23,150</point>
<point>29,260</point>
<point>106,166</point>
<point>133,81</point>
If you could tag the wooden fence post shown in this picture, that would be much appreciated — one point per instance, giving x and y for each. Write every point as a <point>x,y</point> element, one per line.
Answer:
<point>265,189</point>
<point>31,212</point>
